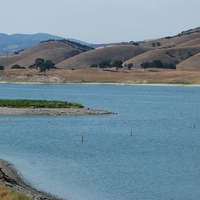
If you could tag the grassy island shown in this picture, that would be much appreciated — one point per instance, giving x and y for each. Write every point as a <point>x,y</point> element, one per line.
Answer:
<point>25,103</point>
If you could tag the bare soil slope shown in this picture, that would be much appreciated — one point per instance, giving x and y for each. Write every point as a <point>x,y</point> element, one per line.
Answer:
<point>118,52</point>
<point>192,63</point>
<point>173,41</point>
<point>167,55</point>
<point>56,51</point>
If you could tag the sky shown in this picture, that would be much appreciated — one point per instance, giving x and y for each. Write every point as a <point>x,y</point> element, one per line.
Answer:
<point>100,21</point>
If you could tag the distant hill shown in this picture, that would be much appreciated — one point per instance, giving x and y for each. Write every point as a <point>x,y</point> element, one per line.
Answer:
<point>173,50</point>
<point>16,42</point>
<point>54,50</point>
<point>170,50</point>
<point>117,52</point>
<point>182,50</point>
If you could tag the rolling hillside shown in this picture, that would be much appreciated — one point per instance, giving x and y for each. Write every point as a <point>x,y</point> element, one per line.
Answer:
<point>173,55</point>
<point>171,50</point>
<point>16,42</point>
<point>182,50</point>
<point>12,43</point>
<point>118,52</point>
<point>192,63</point>
<point>53,50</point>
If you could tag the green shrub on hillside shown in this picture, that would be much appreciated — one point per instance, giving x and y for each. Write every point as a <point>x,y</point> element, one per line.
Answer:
<point>157,64</point>
<point>94,66</point>
<point>108,64</point>
<point>17,67</point>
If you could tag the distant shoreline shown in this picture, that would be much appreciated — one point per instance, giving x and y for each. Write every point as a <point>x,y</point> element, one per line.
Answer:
<point>98,76</point>
<point>105,83</point>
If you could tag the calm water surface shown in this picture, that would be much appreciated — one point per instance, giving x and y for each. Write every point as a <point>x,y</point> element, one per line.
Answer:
<point>159,161</point>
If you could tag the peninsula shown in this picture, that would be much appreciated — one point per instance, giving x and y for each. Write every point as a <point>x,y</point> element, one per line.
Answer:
<point>43,107</point>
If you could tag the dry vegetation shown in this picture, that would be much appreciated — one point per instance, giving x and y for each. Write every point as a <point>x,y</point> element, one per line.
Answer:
<point>56,51</point>
<point>182,50</point>
<point>7,194</point>
<point>119,52</point>
<point>135,76</point>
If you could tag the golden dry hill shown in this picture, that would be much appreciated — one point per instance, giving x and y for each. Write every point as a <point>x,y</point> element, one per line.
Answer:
<point>74,61</point>
<point>118,52</point>
<point>54,50</point>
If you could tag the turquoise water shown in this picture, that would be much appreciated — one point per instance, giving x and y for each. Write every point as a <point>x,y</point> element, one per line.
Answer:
<point>159,161</point>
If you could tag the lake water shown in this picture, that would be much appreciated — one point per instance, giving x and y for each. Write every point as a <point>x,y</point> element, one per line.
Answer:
<point>161,160</point>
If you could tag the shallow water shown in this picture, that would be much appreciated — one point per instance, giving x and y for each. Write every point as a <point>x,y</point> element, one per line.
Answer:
<point>159,161</point>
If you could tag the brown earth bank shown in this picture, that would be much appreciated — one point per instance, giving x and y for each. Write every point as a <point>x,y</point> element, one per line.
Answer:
<point>12,180</point>
<point>122,76</point>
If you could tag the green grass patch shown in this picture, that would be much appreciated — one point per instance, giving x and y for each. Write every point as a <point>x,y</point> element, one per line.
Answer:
<point>178,82</point>
<point>182,82</point>
<point>26,103</point>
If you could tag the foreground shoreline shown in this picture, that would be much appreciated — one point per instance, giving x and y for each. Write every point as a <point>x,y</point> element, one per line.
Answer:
<point>12,180</point>
<point>52,111</point>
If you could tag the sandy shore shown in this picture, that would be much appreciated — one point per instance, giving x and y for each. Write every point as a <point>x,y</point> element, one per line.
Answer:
<point>52,111</point>
<point>11,179</point>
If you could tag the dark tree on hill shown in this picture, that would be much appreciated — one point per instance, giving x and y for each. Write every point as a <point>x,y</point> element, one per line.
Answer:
<point>145,65</point>
<point>39,63</point>
<point>104,64</point>
<point>33,66</point>
<point>117,64</point>
<point>1,67</point>
<point>44,65</point>
<point>130,66</point>
<point>157,64</point>
<point>49,64</point>
<point>16,66</point>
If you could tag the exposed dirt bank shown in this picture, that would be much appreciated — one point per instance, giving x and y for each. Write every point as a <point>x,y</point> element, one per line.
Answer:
<point>123,76</point>
<point>12,180</point>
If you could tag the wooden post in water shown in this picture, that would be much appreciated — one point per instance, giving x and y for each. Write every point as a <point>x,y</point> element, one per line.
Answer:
<point>82,138</point>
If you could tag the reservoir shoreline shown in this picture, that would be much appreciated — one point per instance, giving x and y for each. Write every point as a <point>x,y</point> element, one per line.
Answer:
<point>14,181</point>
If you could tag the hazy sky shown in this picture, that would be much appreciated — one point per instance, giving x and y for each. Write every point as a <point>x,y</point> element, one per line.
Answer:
<point>100,21</point>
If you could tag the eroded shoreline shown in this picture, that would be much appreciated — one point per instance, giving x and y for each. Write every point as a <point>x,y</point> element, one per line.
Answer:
<point>12,180</point>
